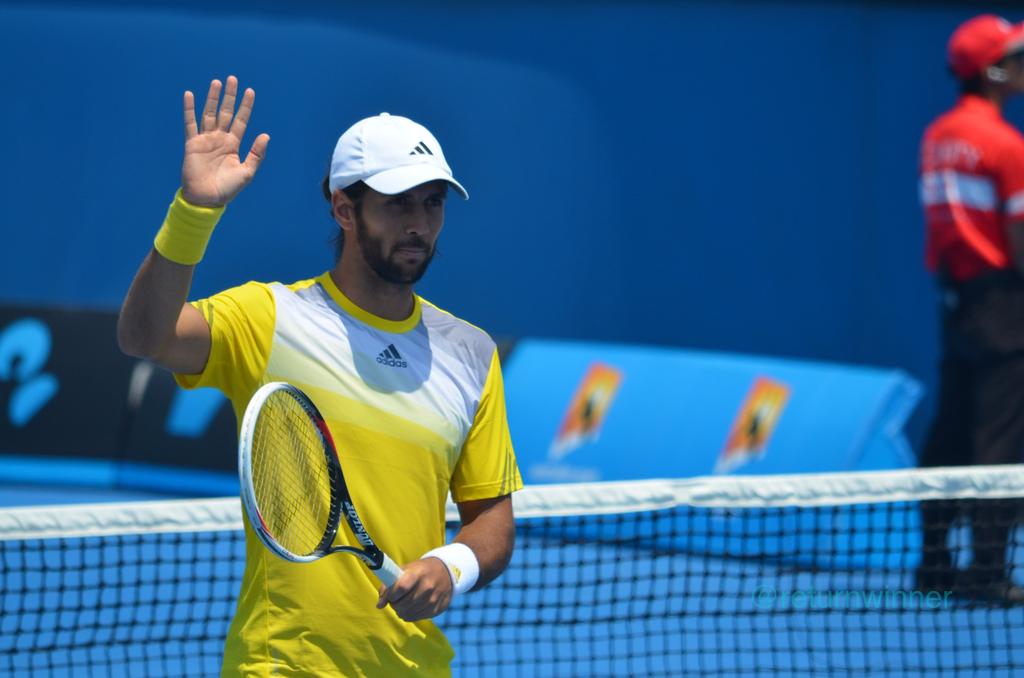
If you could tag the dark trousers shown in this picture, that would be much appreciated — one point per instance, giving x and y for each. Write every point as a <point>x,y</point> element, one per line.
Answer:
<point>980,417</point>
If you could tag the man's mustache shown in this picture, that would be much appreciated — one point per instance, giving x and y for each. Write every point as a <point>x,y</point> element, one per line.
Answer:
<point>413,243</point>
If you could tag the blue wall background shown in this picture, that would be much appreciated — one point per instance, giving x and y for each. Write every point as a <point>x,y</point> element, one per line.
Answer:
<point>731,176</point>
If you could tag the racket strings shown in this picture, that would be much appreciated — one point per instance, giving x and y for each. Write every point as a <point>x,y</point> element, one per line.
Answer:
<point>291,477</point>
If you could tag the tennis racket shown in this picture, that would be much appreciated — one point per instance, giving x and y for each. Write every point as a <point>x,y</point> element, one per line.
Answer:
<point>292,487</point>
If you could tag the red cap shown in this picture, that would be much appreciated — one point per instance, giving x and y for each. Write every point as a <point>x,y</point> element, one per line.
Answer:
<point>982,41</point>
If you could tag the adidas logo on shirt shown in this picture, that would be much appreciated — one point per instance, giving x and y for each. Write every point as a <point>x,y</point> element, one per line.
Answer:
<point>391,357</point>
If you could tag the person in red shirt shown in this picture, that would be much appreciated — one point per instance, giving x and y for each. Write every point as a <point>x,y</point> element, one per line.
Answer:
<point>972,191</point>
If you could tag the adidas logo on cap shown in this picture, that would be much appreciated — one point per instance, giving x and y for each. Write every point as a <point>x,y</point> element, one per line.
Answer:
<point>391,357</point>
<point>422,149</point>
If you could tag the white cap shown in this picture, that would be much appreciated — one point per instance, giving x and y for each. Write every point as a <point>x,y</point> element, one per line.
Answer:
<point>391,154</point>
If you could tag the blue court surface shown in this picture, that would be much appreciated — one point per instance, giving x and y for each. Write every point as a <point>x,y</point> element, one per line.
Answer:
<point>40,495</point>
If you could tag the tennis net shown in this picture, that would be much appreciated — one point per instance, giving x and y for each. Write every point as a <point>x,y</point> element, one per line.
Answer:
<point>731,576</point>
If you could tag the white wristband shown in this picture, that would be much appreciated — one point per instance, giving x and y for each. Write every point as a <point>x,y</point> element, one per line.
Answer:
<point>461,563</point>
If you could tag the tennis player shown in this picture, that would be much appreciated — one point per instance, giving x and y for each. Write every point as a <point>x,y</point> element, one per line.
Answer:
<point>413,395</point>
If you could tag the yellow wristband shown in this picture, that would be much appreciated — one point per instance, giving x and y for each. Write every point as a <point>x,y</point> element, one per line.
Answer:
<point>186,231</point>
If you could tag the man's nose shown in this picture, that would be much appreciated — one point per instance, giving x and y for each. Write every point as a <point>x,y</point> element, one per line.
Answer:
<point>417,221</point>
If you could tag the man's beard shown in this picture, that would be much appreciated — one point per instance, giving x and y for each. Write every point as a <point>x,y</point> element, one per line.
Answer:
<point>386,269</point>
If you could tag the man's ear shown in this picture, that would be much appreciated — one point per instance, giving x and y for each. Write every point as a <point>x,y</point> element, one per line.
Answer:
<point>344,210</point>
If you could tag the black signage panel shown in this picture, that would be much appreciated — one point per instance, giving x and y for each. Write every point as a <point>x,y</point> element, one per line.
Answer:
<point>174,427</point>
<point>62,383</point>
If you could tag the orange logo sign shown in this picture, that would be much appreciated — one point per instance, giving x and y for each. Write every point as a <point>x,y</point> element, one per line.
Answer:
<point>754,424</point>
<point>587,409</point>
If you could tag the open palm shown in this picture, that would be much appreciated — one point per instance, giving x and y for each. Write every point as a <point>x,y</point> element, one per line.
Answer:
<point>212,173</point>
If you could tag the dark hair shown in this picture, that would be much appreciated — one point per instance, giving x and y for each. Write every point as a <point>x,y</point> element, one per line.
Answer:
<point>971,85</point>
<point>355,193</point>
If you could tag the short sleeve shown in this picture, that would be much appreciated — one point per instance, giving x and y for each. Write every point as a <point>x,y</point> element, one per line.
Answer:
<point>1010,178</point>
<point>241,322</point>
<point>487,465</point>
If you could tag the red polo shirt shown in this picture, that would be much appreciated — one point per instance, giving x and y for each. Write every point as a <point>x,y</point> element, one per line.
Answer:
<point>972,188</point>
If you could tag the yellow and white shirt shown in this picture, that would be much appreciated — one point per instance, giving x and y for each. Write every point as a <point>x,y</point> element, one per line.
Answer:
<point>416,408</point>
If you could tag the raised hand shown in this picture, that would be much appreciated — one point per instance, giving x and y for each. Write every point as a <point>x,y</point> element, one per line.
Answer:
<point>213,173</point>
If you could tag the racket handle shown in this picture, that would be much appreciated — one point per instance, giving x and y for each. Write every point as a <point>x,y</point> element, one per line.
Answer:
<point>389,572</point>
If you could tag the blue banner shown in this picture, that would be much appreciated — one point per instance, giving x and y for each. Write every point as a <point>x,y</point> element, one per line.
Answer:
<point>587,412</point>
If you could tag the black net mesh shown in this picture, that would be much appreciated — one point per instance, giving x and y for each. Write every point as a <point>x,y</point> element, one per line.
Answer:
<point>852,589</point>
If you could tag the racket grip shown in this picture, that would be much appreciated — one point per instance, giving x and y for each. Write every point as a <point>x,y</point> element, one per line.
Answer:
<point>389,572</point>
